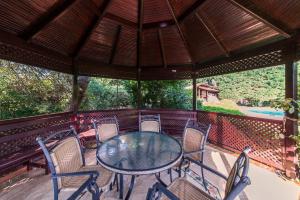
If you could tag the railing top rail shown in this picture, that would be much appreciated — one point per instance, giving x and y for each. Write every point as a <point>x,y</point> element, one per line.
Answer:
<point>24,119</point>
<point>243,117</point>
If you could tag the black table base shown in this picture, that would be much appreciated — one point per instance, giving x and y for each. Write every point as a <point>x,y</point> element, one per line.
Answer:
<point>122,187</point>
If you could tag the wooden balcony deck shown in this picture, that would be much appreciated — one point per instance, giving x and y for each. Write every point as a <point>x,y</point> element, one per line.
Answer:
<point>265,183</point>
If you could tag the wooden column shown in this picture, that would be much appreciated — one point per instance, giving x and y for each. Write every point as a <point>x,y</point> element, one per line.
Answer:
<point>139,94</point>
<point>75,105</point>
<point>291,126</point>
<point>194,94</point>
<point>139,50</point>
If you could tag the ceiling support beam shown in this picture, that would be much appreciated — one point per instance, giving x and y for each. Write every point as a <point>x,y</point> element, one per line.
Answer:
<point>191,10</point>
<point>120,20</point>
<point>115,44</point>
<point>42,21</point>
<point>214,35</point>
<point>139,50</point>
<point>91,27</point>
<point>162,49</point>
<point>180,31</point>
<point>139,32</point>
<point>262,16</point>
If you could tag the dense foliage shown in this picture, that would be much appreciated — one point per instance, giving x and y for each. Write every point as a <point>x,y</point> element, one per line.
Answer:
<point>27,91</point>
<point>109,93</point>
<point>258,86</point>
<point>166,94</point>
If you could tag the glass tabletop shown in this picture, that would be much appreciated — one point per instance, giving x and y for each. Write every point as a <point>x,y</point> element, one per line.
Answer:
<point>139,153</point>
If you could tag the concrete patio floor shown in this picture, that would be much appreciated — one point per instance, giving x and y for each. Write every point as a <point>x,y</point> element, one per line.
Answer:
<point>265,184</point>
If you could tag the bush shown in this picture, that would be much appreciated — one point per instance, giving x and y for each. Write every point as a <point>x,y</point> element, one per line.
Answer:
<point>221,110</point>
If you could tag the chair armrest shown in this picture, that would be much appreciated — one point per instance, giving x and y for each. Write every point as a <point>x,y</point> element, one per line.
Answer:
<point>192,152</point>
<point>158,187</point>
<point>81,173</point>
<point>207,168</point>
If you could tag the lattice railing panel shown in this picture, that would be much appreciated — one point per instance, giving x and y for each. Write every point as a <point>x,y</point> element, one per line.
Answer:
<point>35,58</point>
<point>237,132</point>
<point>228,131</point>
<point>20,134</point>
<point>254,62</point>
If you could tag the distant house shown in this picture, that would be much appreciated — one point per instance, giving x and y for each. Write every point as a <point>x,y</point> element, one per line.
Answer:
<point>207,92</point>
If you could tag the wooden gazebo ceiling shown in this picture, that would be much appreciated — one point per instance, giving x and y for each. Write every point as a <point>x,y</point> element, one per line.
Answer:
<point>114,38</point>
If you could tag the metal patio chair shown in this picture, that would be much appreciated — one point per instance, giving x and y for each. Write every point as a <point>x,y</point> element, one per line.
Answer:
<point>183,189</point>
<point>105,129</point>
<point>150,123</point>
<point>195,135</point>
<point>66,162</point>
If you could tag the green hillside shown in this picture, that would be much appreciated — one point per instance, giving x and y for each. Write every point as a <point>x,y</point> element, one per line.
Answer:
<point>261,85</point>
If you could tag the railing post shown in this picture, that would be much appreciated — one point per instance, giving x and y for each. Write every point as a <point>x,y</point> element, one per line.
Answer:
<point>194,94</point>
<point>291,125</point>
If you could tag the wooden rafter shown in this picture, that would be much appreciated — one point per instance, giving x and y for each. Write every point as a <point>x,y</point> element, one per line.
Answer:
<point>140,31</point>
<point>115,44</point>
<point>213,34</point>
<point>179,30</point>
<point>262,16</point>
<point>42,21</point>
<point>92,26</point>
<point>120,20</point>
<point>191,10</point>
<point>139,49</point>
<point>162,49</point>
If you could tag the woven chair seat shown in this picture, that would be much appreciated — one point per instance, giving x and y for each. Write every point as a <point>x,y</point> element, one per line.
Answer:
<point>185,190</point>
<point>103,180</point>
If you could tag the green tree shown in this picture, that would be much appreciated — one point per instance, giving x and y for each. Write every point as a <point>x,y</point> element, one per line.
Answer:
<point>27,90</point>
<point>167,94</point>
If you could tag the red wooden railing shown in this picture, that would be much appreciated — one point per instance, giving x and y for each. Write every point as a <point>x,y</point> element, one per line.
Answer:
<point>235,132</point>
<point>228,131</point>
<point>18,144</point>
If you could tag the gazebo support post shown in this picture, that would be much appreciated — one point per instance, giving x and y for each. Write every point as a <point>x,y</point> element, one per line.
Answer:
<point>139,50</point>
<point>75,95</point>
<point>194,94</point>
<point>291,126</point>
<point>139,95</point>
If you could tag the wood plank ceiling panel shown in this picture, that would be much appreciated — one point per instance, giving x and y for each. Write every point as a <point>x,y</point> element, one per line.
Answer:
<point>16,15</point>
<point>99,46</point>
<point>202,44</point>
<point>126,49</point>
<point>151,54</point>
<point>175,50</point>
<point>64,32</point>
<point>287,11</point>
<point>181,5</point>
<point>234,27</point>
<point>126,9</point>
<point>156,11</point>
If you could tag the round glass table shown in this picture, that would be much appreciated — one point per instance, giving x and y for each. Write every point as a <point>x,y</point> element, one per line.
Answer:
<point>139,153</point>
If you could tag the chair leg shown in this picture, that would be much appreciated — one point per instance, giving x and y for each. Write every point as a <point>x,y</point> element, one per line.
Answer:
<point>179,171</point>
<point>116,182</point>
<point>170,173</point>
<point>203,180</point>
<point>97,192</point>
<point>55,196</point>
